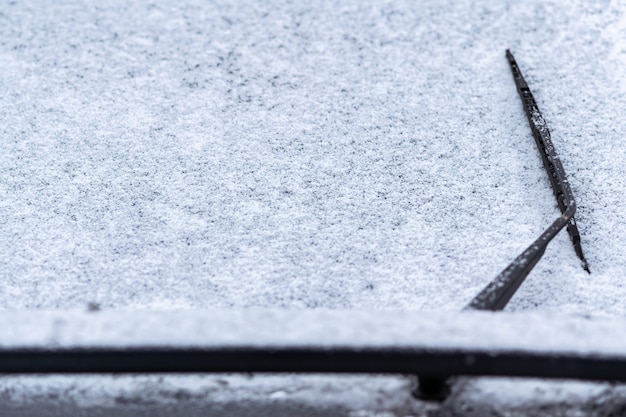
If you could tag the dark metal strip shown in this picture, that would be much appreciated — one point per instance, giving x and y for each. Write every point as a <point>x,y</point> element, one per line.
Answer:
<point>313,360</point>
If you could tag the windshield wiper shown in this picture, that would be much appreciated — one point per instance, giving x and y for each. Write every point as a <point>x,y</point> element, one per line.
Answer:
<point>498,293</point>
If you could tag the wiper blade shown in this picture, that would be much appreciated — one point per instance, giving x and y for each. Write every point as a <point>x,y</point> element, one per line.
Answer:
<point>551,161</point>
<point>498,293</point>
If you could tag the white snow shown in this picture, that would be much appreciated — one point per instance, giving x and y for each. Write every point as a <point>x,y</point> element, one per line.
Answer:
<point>234,155</point>
<point>472,331</point>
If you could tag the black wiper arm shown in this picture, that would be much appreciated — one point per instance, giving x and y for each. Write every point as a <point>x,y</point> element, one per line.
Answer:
<point>551,161</point>
<point>498,293</point>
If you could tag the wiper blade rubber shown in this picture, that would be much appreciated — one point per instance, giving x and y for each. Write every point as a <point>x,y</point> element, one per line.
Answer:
<point>498,293</point>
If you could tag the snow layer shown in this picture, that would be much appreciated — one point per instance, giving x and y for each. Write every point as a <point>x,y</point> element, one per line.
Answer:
<point>295,156</point>
<point>232,154</point>
<point>471,331</point>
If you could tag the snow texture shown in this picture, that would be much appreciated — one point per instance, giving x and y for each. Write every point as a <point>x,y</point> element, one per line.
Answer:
<point>474,331</point>
<point>229,155</point>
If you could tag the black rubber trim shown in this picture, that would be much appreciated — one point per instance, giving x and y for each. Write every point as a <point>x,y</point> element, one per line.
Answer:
<point>312,360</point>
